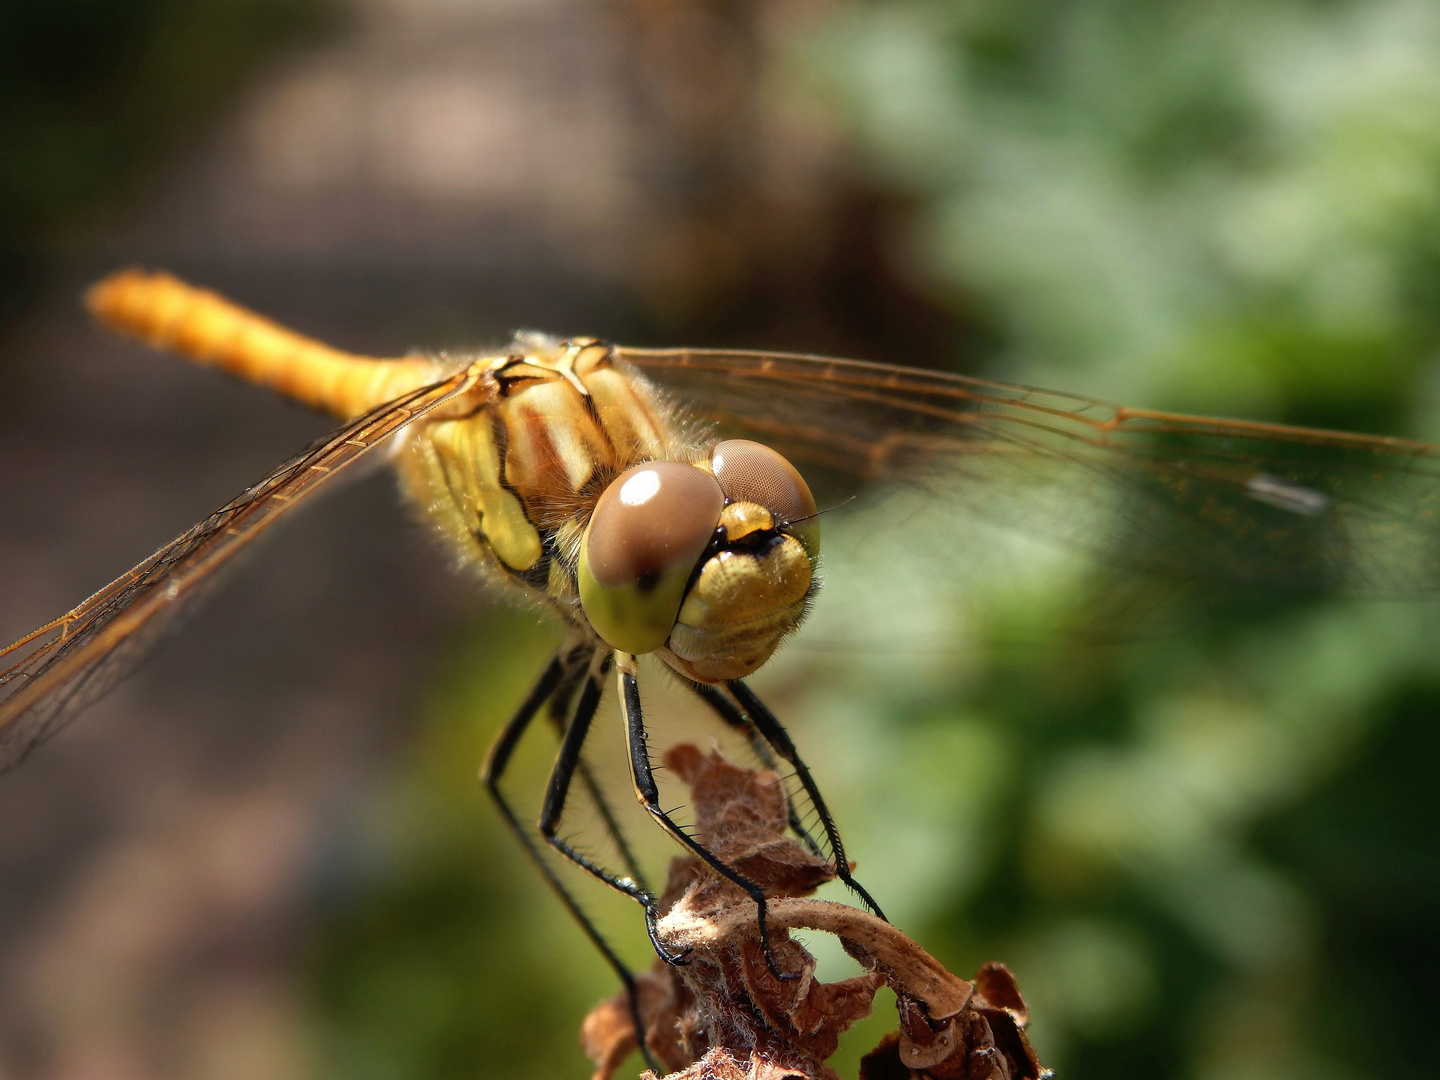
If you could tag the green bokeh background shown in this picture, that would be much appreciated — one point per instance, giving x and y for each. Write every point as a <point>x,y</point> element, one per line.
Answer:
<point>1209,852</point>
<point>1211,856</point>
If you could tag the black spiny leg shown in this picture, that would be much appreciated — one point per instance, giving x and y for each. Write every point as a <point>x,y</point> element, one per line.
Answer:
<point>559,716</point>
<point>567,763</point>
<point>645,787</point>
<point>551,679</point>
<point>764,720</point>
<point>731,714</point>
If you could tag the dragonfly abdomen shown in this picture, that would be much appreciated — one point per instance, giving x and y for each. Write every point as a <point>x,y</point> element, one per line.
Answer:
<point>202,326</point>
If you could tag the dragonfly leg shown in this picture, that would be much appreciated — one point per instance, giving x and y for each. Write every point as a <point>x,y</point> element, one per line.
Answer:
<point>550,682</point>
<point>776,735</point>
<point>559,716</point>
<point>567,763</point>
<point>726,709</point>
<point>648,791</point>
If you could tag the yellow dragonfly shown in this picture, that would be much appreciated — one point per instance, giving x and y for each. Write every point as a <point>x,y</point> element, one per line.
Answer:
<point>654,500</point>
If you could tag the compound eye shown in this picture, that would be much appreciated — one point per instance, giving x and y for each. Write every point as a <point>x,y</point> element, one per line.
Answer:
<point>752,472</point>
<point>648,531</point>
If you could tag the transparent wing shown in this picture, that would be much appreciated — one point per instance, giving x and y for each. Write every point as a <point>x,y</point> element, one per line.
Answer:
<point>54,672</point>
<point>1198,499</point>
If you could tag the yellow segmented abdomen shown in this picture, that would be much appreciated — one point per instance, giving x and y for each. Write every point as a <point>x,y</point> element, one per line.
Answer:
<point>166,313</point>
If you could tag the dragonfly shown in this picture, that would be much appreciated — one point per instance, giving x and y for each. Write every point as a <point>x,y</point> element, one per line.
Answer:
<point>662,502</point>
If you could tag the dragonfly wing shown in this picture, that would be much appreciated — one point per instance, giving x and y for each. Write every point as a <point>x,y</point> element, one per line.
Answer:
<point>1190,498</point>
<point>54,672</point>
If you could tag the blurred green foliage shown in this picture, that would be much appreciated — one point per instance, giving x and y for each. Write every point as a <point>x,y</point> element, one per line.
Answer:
<point>1210,853</point>
<point>1217,207</point>
<point>94,93</point>
<point>1191,204</point>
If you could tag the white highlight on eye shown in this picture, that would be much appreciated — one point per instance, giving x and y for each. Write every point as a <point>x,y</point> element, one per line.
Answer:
<point>1283,495</point>
<point>640,488</point>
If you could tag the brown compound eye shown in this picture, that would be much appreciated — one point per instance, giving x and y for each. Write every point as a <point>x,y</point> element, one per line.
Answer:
<point>648,531</point>
<point>752,472</point>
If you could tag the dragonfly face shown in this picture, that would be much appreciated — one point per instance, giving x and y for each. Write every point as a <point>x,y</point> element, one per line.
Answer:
<point>709,565</point>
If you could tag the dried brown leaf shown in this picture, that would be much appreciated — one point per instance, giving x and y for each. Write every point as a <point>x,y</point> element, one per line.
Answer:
<point>724,1015</point>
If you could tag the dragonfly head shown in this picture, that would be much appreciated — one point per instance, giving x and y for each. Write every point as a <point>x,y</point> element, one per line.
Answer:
<point>708,565</point>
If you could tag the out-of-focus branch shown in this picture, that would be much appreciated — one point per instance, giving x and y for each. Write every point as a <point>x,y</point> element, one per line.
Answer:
<point>725,1016</point>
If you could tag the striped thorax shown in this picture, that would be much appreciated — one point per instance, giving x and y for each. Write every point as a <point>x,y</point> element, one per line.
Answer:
<point>513,482</point>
